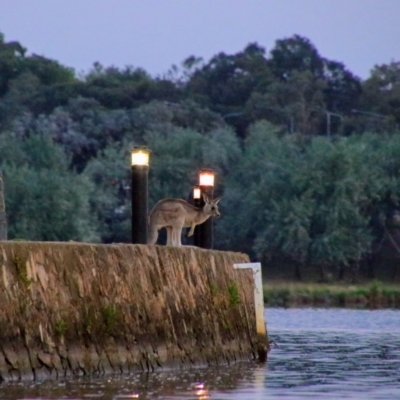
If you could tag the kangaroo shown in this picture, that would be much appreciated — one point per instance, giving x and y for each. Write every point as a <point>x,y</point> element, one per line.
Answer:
<point>176,214</point>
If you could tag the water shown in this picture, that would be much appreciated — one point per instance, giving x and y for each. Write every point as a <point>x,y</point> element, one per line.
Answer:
<point>321,354</point>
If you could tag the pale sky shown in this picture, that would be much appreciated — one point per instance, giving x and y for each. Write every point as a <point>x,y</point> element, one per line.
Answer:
<point>154,34</point>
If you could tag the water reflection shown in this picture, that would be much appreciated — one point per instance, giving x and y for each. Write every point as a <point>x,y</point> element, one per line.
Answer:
<point>353,354</point>
<point>199,384</point>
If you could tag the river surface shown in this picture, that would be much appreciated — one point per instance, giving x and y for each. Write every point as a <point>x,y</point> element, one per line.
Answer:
<point>320,354</point>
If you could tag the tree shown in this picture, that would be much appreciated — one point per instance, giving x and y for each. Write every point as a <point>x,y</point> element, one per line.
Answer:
<point>343,89</point>
<point>296,101</point>
<point>127,88</point>
<point>381,96</point>
<point>293,54</point>
<point>25,81</point>
<point>307,204</point>
<point>49,72</point>
<point>226,82</point>
<point>18,97</point>
<point>11,56</point>
<point>44,200</point>
<point>246,186</point>
<point>329,83</point>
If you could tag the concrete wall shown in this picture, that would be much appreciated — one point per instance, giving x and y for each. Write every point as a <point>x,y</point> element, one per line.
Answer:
<point>73,309</point>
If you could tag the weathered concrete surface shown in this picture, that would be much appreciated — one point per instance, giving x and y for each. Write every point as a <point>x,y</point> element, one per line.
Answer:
<point>72,309</point>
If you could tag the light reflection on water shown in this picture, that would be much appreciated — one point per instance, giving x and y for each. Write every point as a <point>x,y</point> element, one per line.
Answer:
<point>321,354</point>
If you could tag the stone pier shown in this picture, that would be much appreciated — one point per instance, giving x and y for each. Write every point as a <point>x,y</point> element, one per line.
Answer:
<point>79,309</point>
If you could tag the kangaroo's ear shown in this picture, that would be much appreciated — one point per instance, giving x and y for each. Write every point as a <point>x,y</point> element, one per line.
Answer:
<point>217,200</point>
<point>206,199</point>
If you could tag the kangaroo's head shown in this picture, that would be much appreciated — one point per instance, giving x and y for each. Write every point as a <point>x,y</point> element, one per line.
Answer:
<point>211,206</point>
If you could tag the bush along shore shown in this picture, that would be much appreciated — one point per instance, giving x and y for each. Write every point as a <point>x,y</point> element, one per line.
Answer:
<point>367,295</point>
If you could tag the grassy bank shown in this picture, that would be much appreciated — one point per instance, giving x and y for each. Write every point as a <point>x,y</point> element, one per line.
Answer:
<point>369,295</point>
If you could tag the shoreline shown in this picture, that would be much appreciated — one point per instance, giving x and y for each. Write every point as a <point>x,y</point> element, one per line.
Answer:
<point>370,295</point>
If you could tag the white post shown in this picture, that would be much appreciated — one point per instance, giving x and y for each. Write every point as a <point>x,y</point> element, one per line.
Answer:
<point>259,306</point>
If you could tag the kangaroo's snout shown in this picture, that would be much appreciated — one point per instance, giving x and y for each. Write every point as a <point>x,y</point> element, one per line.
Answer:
<point>214,212</point>
<point>211,207</point>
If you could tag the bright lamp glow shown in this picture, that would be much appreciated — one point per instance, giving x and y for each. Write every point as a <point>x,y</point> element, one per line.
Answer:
<point>140,156</point>
<point>206,177</point>
<point>196,193</point>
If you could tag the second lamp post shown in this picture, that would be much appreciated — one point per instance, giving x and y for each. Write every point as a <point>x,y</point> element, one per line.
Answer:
<point>203,234</point>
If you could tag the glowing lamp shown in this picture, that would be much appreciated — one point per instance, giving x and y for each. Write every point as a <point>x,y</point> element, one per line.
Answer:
<point>206,177</point>
<point>196,193</point>
<point>140,156</point>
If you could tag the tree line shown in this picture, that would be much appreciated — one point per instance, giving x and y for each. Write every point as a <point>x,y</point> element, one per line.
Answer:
<point>306,153</point>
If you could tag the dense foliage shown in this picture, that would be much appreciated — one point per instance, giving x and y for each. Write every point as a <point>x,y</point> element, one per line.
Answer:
<point>306,153</point>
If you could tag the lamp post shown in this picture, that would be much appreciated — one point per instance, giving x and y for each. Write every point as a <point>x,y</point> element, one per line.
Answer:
<point>204,235</point>
<point>197,202</point>
<point>373,117</point>
<point>369,113</point>
<point>329,115</point>
<point>282,111</point>
<point>139,193</point>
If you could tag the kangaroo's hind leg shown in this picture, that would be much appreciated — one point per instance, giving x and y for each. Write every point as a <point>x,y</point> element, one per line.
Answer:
<point>176,236</point>
<point>169,235</point>
<point>153,234</point>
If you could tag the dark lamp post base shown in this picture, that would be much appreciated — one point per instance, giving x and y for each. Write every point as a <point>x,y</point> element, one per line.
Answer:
<point>139,190</point>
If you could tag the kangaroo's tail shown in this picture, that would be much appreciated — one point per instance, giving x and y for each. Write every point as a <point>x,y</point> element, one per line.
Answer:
<point>153,232</point>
